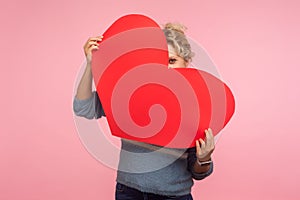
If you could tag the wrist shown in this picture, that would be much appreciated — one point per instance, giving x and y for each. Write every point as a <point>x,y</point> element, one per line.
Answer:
<point>204,163</point>
<point>205,159</point>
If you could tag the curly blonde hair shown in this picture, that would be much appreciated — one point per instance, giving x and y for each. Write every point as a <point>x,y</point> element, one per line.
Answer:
<point>175,36</point>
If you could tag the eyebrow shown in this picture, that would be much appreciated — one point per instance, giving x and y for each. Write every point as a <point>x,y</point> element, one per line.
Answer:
<point>174,56</point>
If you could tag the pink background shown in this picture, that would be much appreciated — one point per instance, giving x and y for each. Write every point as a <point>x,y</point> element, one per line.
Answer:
<point>255,45</point>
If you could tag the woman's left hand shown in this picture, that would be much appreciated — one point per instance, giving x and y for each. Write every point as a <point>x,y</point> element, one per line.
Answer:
<point>204,151</point>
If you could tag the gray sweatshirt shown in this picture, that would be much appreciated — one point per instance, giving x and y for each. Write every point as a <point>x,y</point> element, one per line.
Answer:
<point>147,167</point>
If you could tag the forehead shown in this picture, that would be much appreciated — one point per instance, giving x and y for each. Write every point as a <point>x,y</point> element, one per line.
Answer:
<point>172,51</point>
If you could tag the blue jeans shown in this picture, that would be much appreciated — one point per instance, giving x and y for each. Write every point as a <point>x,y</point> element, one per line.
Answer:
<point>124,192</point>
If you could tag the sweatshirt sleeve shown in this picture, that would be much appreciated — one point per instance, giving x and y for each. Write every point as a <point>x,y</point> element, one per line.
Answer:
<point>192,158</point>
<point>89,108</point>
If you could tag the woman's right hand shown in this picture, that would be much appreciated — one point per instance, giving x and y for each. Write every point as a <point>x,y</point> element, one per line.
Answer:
<point>91,44</point>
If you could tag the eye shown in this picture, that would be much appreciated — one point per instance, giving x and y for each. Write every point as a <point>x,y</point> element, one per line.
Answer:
<point>172,61</point>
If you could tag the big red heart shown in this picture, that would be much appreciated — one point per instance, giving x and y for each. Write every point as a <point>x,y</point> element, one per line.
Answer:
<point>144,100</point>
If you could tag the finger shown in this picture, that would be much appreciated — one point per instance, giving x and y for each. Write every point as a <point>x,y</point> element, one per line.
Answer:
<point>210,132</point>
<point>89,50</point>
<point>91,43</point>
<point>93,39</point>
<point>209,138</point>
<point>211,135</point>
<point>93,48</point>
<point>198,148</point>
<point>98,38</point>
<point>199,153</point>
<point>208,142</point>
<point>202,144</point>
<point>206,133</point>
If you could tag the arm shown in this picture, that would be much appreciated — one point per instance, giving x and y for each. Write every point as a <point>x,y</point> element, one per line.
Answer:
<point>201,154</point>
<point>88,108</point>
<point>198,172</point>
<point>84,90</point>
<point>86,102</point>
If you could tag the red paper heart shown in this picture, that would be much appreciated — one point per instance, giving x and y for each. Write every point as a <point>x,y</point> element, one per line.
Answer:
<point>147,102</point>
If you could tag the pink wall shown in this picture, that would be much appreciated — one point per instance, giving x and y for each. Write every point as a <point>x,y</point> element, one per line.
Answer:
<point>255,45</point>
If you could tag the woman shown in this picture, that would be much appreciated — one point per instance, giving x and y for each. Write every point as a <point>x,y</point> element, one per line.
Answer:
<point>173,181</point>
